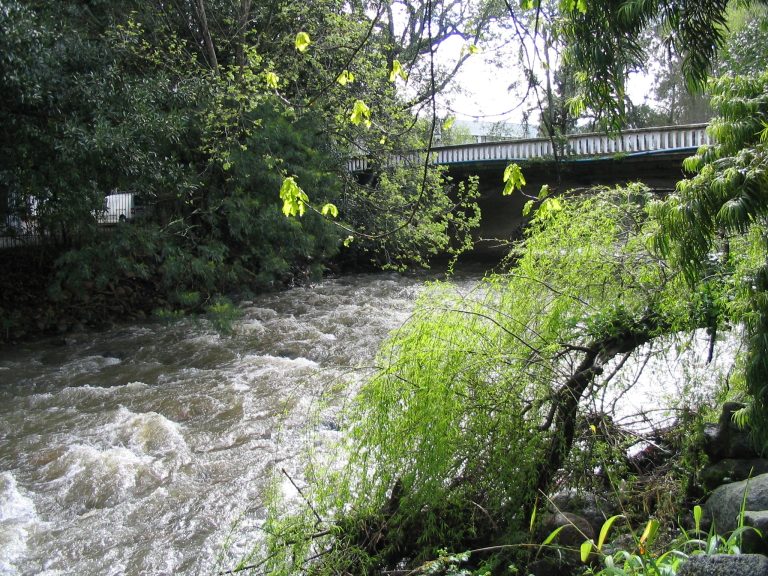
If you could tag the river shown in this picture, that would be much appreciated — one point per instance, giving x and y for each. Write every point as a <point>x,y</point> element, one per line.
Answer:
<point>145,449</point>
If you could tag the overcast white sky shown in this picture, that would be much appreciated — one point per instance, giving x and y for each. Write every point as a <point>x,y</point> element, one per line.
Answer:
<point>485,93</point>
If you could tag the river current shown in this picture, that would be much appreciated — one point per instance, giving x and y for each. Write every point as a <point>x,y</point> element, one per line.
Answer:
<point>146,449</point>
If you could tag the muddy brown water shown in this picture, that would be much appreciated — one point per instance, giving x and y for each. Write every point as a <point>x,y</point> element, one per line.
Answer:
<point>146,449</point>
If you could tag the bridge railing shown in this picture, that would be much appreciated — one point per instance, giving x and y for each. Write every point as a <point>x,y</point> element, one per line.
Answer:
<point>670,138</point>
<point>640,140</point>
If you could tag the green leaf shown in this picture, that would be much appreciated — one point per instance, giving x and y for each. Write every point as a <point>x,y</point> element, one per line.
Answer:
<point>649,534</point>
<point>571,5</point>
<point>586,549</point>
<point>448,122</point>
<point>533,515</point>
<point>294,199</point>
<point>697,517</point>
<point>576,105</point>
<point>553,534</point>
<point>473,48</point>
<point>272,79</point>
<point>348,240</point>
<point>528,207</point>
<point>513,178</point>
<point>741,416</point>
<point>549,208</point>
<point>397,70</point>
<point>345,78</point>
<point>329,210</point>
<point>361,114</point>
<point>302,41</point>
<point>543,192</point>
<point>605,529</point>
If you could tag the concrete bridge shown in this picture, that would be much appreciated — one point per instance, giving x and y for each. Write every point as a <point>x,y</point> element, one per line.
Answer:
<point>651,155</point>
<point>662,140</point>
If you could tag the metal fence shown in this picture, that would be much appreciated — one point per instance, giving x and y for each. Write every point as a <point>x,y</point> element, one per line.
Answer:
<point>17,231</point>
<point>22,226</point>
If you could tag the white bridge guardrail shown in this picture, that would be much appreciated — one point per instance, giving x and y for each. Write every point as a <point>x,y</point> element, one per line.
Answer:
<point>659,139</point>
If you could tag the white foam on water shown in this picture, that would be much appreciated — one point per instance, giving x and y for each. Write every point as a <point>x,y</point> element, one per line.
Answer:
<point>659,382</point>
<point>251,327</point>
<point>85,477</point>
<point>240,386</point>
<point>272,362</point>
<point>88,364</point>
<point>128,489</point>
<point>88,390</point>
<point>134,386</point>
<point>128,457</point>
<point>259,313</point>
<point>263,367</point>
<point>18,518</point>
<point>36,399</point>
<point>151,434</point>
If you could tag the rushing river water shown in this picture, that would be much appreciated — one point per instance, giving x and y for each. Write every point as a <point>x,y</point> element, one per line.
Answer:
<point>141,449</point>
<point>147,449</point>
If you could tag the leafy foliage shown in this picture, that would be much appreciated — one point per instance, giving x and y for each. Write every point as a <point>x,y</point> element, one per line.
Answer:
<point>436,217</point>
<point>469,417</point>
<point>723,207</point>
<point>214,113</point>
<point>646,559</point>
<point>513,179</point>
<point>604,44</point>
<point>745,51</point>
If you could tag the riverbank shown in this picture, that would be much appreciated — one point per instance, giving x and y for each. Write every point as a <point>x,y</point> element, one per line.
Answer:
<point>28,311</point>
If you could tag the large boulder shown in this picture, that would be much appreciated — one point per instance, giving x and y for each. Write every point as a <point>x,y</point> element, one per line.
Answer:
<point>725,504</point>
<point>755,541</point>
<point>725,565</point>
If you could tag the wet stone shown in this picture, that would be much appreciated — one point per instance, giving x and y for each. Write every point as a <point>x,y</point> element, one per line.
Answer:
<point>725,565</point>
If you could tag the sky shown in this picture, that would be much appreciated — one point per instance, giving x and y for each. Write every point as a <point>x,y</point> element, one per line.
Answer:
<point>484,87</point>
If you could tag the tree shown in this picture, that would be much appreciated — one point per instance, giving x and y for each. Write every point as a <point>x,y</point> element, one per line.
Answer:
<point>744,52</point>
<point>726,198</point>
<point>179,101</point>
<point>676,104</point>
<point>414,31</point>
<point>481,397</point>
<point>605,43</point>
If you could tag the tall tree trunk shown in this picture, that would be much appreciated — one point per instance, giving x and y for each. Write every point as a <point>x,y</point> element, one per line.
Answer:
<point>567,398</point>
<point>202,20</point>
<point>243,17</point>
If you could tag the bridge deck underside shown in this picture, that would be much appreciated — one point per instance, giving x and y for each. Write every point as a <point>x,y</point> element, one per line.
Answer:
<point>502,215</point>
